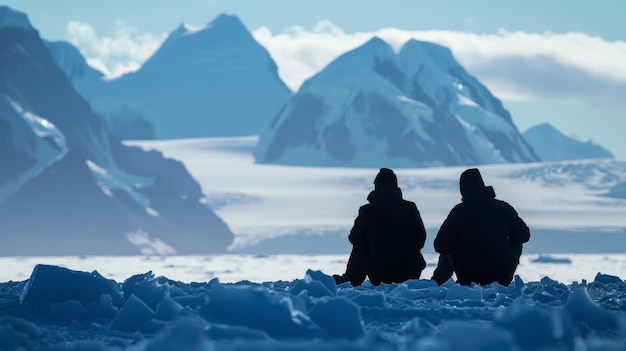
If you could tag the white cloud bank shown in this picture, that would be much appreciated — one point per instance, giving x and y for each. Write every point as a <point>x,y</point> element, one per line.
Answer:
<point>514,65</point>
<point>125,52</point>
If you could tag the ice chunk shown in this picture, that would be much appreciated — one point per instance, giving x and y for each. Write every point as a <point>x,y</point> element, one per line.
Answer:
<point>192,301</point>
<point>339,317</point>
<point>279,314</point>
<point>68,310</point>
<point>57,284</point>
<point>104,308</point>
<point>312,288</point>
<point>537,327</point>
<point>438,292</point>
<point>371,299</point>
<point>582,309</point>
<point>132,315</point>
<point>516,288</point>
<point>463,293</point>
<point>328,281</point>
<point>607,279</point>
<point>168,309</point>
<point>399,290</point>
<point>316,284</point>
<point>146,288</point>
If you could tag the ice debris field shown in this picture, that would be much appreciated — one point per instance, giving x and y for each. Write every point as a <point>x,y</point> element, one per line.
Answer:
<point>62,309</point>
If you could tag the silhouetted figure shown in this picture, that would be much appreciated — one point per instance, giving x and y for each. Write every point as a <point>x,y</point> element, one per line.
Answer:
<point>481,240</point>
<point>386,238</point>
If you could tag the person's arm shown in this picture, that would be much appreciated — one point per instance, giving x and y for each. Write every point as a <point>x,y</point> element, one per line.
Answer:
<point>358,232</point>
<point>447,236</point>
<point>519,232</point>
<point>421,230</point>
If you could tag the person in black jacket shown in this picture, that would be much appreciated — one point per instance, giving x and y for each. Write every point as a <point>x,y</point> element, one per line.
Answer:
<point>386,238</point>
<point>481,240</point>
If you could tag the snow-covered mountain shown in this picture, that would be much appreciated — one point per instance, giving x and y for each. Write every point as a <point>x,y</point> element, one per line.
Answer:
<point>373,107</point>
<point>552,144</point>
<point>212,80</point>
<point>64,178</point>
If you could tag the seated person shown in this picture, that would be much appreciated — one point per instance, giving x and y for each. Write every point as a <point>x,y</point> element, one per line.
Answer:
<point>481,240</point>
<point>386,238</point>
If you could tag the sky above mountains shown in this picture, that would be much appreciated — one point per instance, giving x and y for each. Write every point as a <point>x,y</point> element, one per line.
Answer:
<point>562,62</point>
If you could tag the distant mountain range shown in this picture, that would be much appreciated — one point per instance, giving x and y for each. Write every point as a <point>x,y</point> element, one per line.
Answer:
<point>69,187</point>
<point>372,107</point>
<point>369,107</point>
<point>213,80</point>
<point>552,144</point>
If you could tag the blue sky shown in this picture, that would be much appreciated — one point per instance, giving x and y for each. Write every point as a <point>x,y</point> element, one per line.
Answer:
<point>562,62</point>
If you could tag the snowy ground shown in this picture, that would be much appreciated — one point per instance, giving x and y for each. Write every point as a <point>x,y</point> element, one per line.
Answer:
<point>232,268</point>
<point>287,220</point>
<point>267,205</point>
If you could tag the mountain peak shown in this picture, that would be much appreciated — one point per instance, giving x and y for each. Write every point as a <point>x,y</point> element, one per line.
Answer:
<point>425,50</point>
<point>549,129</point>
<point>224,19</point>
<point>428,46</point>
<point>376,41</point>
<point>10,18</point>
<point>221,24</point>
<point>554,144</point>
<point>376,45</point>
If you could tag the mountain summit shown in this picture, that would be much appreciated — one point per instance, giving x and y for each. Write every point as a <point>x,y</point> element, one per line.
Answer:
<point>210,80</point>
<point>552,144</point>
<point>372,107</point>
<point>10,18</point>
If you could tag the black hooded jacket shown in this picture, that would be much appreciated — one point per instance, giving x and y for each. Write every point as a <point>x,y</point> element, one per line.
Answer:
<point>389,234</point>
<point>482,236</point>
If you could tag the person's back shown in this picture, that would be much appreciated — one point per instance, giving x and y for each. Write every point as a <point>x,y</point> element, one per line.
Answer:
<point>482,236</point>
<point>391,230</point>
<point>387,237</point>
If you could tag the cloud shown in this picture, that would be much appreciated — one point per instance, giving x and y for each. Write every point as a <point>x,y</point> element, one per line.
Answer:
<point>124,52</point>
<point>514,65</point>
<point>300,54</point>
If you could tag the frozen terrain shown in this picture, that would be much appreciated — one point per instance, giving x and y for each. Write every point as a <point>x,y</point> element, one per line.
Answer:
<point>273,290</point>
<point>232,268</point>
<point>61,309</point>
<point>269,206</point>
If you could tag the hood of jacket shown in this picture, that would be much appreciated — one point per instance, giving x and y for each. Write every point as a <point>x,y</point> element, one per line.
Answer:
<point>385,193</point>
<point>473,187</point>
